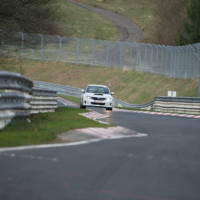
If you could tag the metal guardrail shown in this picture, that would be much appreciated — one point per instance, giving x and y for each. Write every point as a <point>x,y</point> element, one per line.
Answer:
<point>15,81</point>
<point>11,105</point>
<point>43,101</point>
<point>178,99</point>
<point>76,92</point>
<point>18,98</point>
<point>147,106</point>
<point>60,89</point>
<point>188,105</point>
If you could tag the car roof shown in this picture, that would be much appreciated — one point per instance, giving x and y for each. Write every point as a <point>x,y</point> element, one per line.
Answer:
<point>97,85</point>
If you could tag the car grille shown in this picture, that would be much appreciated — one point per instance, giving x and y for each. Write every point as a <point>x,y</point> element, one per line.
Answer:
<point>94,103</point>
<point>99,98</point>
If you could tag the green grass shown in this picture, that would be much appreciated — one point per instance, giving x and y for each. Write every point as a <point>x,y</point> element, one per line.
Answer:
<point>43,128</point>
<point>128,85</point>
<point>72,99</point>
<point>66,19</point>
<point>154,17</point>
<point>142,12</point>
<point>79,22</point>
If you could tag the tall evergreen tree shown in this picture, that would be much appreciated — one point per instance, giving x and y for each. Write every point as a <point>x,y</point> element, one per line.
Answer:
<point>192,26</point>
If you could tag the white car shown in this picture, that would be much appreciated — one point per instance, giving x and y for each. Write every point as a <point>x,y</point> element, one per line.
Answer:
<point>98,96</point>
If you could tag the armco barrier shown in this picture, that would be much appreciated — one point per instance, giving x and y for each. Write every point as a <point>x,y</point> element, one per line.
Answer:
<point>187,105</point>
<point>147,106</point>
<point>15,81</point>
<point>43,100</point>
<point>61,89</point>
<point>76,92</point>
<point>18,98</point>
<point>12,105</point>
<point>14,96</point>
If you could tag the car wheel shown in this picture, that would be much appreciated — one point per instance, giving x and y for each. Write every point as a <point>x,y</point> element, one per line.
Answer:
<point>83,107</point>
<point>108,108</point>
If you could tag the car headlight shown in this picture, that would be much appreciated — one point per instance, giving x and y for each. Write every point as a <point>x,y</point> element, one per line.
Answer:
<point>88,97</point>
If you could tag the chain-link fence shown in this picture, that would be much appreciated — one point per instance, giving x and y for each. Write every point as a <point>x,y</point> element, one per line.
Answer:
<point>172,61</point>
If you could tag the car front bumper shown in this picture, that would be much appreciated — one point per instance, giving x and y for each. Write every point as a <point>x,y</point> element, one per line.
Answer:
<point>104,104</point>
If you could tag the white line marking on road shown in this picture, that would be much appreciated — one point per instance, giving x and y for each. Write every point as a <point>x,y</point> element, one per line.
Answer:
<point>31,157</point>
<point>159,113</point>
<point>42,146</point>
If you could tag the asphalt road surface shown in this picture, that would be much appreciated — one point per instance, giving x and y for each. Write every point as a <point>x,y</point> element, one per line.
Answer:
<point>165,165</point>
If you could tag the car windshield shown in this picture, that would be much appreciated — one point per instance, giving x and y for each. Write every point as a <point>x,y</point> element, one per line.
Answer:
<point>97,89</point>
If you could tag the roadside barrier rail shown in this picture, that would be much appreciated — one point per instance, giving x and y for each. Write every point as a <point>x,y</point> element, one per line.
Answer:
<point>12,105</point>
<point>18,98</point>
<point>15,81</point>
<point>61,89</point>
<point>43,100</point>
<point>147,106</point>
<point>187,105</point>
<point>21,97</point>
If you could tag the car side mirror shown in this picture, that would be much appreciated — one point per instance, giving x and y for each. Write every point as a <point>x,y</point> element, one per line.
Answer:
<point>82,90</point>
<point>112,93</point>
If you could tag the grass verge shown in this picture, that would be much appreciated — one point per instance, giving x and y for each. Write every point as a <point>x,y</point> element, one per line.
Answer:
<point>44,127</point>
<point>72,99</point>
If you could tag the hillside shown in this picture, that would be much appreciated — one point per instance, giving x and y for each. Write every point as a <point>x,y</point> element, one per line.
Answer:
<point>57,17</point>
<point>130,86</point>
<point>160,21</point>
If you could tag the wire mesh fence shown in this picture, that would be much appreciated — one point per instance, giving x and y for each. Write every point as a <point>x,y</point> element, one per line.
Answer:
<point>171,61</point>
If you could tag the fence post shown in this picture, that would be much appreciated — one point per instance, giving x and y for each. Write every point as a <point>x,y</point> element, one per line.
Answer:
<point>94,52</point>
<point>2,34</point>
<point>121,55</point>
<point>60,41</point>
<point>60,46</point>
<point>22,44</point>
<point>77,49</point>
<point>41,45</point>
